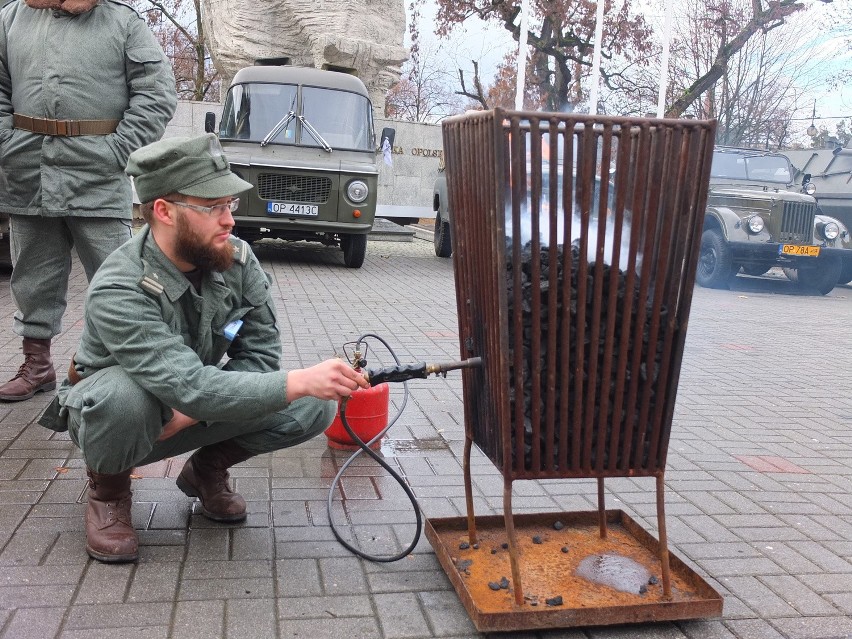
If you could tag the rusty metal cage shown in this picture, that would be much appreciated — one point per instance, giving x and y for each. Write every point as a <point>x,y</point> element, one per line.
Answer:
<point>575,242</point>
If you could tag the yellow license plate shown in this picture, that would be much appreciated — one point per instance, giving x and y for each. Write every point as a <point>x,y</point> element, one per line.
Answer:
<point>796,249</point>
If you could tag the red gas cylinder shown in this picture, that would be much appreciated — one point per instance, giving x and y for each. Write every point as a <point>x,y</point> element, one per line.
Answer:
<point>367,415</point>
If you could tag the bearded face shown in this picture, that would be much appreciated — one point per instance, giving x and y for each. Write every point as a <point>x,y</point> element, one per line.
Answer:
<point>191,247</point>
<point>71,6</point>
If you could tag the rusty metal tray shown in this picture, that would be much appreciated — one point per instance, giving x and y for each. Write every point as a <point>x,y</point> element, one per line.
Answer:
<point>622,583</point>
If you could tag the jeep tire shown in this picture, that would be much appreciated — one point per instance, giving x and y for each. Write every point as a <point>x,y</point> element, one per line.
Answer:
<point>442,237</point>
<point>354,249</point>
<point>757,268</point>
<point>715,263</point>
<point>822,277</point>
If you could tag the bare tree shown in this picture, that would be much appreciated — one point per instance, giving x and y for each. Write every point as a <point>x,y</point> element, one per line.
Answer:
<point>761,84</point>
<point>177,25</point>
<point>561,35</point>
<point>424,92</point>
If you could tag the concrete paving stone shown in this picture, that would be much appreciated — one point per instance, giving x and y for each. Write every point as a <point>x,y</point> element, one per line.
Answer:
<point>154,582</point>
<point>299,494</point>
<point>27,548</point>
<point>251,543</point>
<point>198,620</point>
<point>828,582</point>
<point>290,513</point>
<point>416,561</point>
<point>446,614</point>
<point>119,616</point>
<point>251,619</point>
<point>35,623</point>
<point>104,583</point>
<point>410,581</point>
<point>665,630</point>
<point>64,491</point>
<point>209,544</point>
<point>708,528</point>
<point>753,629</point>
<point>311,549</point>
<point>786,557</point>
<point>12,597</point>
<point>842,600</point>
<point>11,515</point>
<point>69,549</point>
<point>225,588</point>
<point>769,535</point>
<point>822,557</point>
<point>298,578</point>
<point>325,607</point>
<point>721,550</point>
<point>705,629</point>
<point>708,504</point>
<point>803,599</point>
<point>344,575</point>
<point>400,615</point>
<point>252,488</point>
<point>362,627</point>
<point>23,576</point>
<point>11,468</point>
<point>814,627</point>
<point>759,597</point>
<point>170,514</point>
<point>213,570</point>
<point>305,533</point>
<point>143,632</point>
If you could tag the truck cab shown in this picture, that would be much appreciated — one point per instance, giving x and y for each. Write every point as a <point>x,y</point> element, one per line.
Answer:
<point>304,138</point>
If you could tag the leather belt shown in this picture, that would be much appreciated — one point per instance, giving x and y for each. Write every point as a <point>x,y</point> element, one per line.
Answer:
<point>65,128</point>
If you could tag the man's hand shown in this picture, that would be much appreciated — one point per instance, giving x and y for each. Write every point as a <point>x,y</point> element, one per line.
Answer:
<point>331,379</point>
<point>177,423</point>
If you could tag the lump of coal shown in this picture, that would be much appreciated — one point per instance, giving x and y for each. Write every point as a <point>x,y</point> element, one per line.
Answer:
<point>565,549</point>
<point>504,546</point>
<point>504,583</point>
<point>493,585</point>
<point>463,565</point>
<point>493,551</point>
<point>464,545</point>
<point>558,525</point>
<point>476,546</point>
<point>537,540</point>
<point>554,601</point>
<point>643,589</point>
<point>653,580</point>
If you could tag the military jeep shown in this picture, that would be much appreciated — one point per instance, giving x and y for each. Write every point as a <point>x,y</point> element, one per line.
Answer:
<point>304,138</point>
<point>753,223</point>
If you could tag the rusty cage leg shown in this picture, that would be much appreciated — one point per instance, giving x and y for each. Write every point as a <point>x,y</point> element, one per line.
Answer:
<point>514,549</point>
<point>601,508</point>
<point>664,543</point>
<point>468,491</point>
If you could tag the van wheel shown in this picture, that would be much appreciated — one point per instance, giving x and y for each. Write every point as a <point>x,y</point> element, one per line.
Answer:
<point>715,262</point>
<point>354,249</point>
<point>822,277</point>
<point>442,238</point>
<point>756,269</point>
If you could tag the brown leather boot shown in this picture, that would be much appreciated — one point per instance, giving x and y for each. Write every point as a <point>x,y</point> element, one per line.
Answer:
<point>205,475</point>
<point>36,374</point>
<point>110,536</point>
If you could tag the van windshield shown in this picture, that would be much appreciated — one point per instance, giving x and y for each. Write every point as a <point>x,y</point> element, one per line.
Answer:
<point>343,119</point>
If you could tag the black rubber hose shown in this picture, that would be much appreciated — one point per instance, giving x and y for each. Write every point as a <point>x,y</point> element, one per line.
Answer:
<point>365,447</point>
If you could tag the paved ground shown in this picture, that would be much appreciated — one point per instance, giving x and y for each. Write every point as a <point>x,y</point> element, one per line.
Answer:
<point>759,486</point>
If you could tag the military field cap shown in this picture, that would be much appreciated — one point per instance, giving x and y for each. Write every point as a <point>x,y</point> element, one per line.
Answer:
<point>192,166</point>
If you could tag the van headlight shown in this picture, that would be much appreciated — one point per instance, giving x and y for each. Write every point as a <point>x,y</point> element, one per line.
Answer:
<point>357,191</point>
<point>756,224</point>
<point>809,188</point>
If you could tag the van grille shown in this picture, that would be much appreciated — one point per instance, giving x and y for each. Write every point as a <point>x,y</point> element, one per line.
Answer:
<point>797,224</point>
<point>294,188</point>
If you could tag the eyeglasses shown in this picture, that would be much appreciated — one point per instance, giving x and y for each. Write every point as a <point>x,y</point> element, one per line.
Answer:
<point>212,211</point>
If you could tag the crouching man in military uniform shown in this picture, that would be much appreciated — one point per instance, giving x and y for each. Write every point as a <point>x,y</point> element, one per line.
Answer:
<point>161,313</point>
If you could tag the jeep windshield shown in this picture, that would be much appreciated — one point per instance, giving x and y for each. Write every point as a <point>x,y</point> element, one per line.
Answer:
<point>755,168</point>
<point>253,111</point>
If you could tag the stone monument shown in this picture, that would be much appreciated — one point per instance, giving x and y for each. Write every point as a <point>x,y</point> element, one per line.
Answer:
<point>362,36</point>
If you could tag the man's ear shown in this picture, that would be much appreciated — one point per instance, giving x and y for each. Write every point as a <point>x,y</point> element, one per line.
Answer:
<point>164,212</point>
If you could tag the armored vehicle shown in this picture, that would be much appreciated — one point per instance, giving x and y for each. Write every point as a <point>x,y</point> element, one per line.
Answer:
<point>826,174</point>
<point>304,138</point>
<point>754,221</point>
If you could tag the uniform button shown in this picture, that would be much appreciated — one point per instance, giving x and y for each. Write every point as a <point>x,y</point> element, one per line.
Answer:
<point>57,14</point>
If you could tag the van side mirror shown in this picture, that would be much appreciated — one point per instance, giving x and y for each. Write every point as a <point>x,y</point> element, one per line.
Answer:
<point>210,122</point>
<point>389,134</point>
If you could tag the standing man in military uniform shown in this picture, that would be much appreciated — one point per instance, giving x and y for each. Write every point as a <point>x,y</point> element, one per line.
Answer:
<point>146,381</point>
<point>83,83</point>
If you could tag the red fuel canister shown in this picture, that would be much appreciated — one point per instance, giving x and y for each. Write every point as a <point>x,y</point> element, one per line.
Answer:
<point>367,415</point>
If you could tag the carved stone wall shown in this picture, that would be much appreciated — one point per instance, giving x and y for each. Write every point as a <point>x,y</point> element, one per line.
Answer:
<point>365,35</point>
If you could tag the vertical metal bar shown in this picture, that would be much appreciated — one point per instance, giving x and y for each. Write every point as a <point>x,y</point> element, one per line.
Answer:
<point>555,214</point>
<point>514,548</point>
<point>601,509</point>
<point>517,175</point>
<point>468,491</point>
<point>566,443</point>
<point>664,539</point>
<point>535,197</point>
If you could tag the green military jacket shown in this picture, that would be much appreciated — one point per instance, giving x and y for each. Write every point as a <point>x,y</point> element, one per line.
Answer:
<point>104,64</point>
<point>143,315</point>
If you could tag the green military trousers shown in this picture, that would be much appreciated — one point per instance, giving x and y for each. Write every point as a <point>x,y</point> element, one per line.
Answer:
<point>116,423</point>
